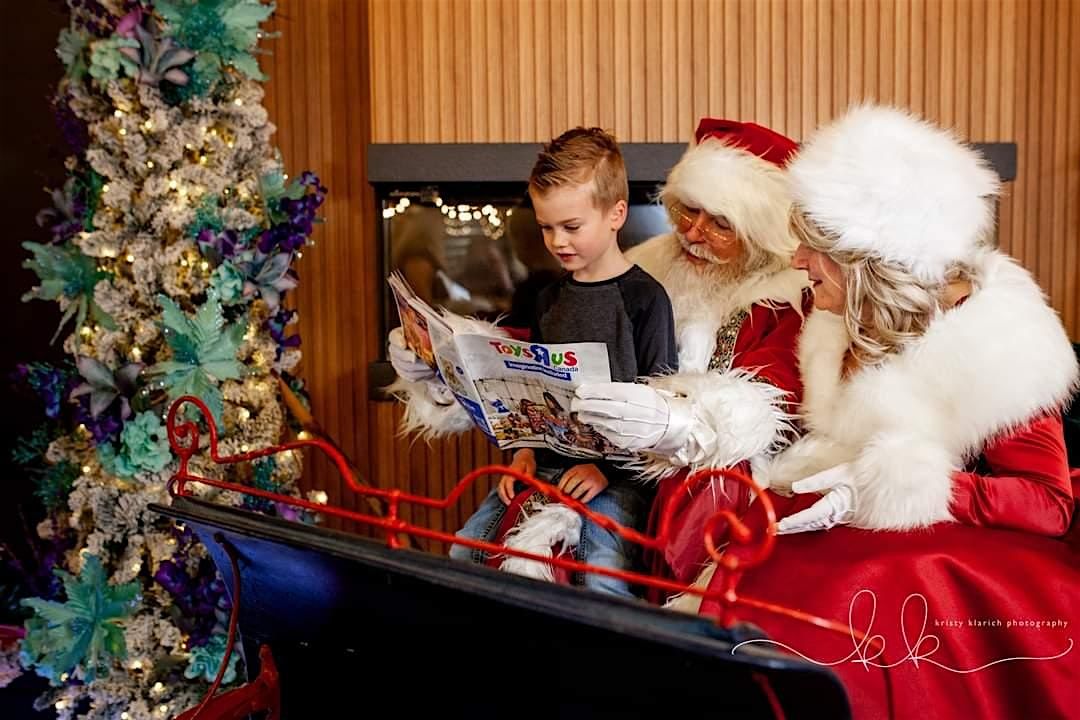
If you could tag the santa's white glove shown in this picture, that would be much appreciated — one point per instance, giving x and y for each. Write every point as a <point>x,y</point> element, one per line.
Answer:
<point>406,364</point>
<point>836,507</point>
<point>633,416</point>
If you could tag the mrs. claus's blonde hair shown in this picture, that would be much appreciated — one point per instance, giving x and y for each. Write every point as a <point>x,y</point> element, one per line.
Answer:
<point>886,307</point>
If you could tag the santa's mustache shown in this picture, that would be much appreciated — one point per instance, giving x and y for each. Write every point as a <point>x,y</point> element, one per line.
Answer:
<point>699,250</point>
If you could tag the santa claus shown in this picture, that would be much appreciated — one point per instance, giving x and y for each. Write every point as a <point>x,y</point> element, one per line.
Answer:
<point>739,307</point>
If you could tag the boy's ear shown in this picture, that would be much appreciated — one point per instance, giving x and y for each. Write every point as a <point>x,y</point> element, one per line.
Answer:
<point>617,215</point>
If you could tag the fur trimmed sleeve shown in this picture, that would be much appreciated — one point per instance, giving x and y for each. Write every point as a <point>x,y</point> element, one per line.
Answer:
<point>747,412</point>
<point>902,482</point>
<point>733,417</point>
<point>430,408</point>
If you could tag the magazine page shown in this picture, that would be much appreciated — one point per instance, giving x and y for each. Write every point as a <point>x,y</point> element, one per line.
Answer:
<point>525,389</point>
<point>453,372</point>
<point>417,319</point>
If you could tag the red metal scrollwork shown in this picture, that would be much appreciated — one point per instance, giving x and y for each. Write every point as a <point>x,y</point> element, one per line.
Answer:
<point>184,439</point>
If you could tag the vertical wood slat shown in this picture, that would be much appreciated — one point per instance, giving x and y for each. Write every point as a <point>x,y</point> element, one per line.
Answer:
<point>978,70</point>
<point>731,64</point>
<point>702,18</point>
<point>310,97</point>
<point>810,54</point>
<point>685,49</point>
<point>623,74</point>
<point>522,70</point>
<point>444,52</point>
<point>572,28</point>
<point>639,125</point>
<point>1071,300</point>
<point>794,70</point>
<point>917,56</point>
<point>901,65</point>
<point>653,91</point>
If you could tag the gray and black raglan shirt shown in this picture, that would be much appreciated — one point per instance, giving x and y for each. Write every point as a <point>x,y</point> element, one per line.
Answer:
<point>630,313</point>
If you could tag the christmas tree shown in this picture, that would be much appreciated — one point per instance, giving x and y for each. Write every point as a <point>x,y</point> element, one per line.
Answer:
<point>170,247</point>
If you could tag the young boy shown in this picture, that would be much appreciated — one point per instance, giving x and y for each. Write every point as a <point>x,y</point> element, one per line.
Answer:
<point>579,192</point>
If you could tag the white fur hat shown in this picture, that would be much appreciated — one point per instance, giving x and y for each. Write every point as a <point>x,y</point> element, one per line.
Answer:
<point>888,184</point>
<point>735,170</point>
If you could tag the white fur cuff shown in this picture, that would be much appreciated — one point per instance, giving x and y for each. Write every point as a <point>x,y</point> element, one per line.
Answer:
<point>734,418</point>
<point>426,413</point>
<point>902,482</point>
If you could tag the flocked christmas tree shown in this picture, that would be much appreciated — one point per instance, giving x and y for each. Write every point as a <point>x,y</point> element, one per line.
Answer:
<point>171,247</point>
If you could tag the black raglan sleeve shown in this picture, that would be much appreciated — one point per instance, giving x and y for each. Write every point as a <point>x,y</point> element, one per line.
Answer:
<point>544,300</point>
<point>654,326</point>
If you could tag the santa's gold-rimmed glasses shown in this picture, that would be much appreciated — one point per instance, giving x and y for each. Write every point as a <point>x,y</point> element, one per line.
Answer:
<point>715,230</point>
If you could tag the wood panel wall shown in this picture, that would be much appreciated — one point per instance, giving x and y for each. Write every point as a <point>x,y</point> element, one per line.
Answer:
<point>348,71</point>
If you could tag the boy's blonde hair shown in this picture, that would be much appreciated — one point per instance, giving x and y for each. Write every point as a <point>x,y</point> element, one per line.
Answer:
<point>580,155</point>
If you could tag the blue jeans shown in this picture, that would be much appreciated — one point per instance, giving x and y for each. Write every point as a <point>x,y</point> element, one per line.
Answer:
<point>624,503</point>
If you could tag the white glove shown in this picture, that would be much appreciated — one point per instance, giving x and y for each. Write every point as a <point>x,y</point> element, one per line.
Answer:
<point>633,416</point>
<point>836,507</point>
<point>406,364</point>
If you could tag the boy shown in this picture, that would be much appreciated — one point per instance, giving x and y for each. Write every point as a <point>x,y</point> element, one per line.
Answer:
<point>579,192</point>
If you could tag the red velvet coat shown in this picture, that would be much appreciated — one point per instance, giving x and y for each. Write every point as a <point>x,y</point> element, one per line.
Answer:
<point>1002,563</point>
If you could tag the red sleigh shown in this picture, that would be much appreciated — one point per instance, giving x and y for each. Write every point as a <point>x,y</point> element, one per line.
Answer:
<point>769,684</point>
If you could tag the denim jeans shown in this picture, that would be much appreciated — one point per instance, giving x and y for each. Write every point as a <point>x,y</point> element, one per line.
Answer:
<point>624,503</point>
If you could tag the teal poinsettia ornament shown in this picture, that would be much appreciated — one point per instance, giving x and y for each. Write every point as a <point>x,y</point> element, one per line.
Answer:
<point>63,271</point>
<point>204,352</point>
<point>84,631</point>
<point>205,661</point>
<point>221,32</point>
<point>107,61</point>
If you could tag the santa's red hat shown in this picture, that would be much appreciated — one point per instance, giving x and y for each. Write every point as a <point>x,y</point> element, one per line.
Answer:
<point>735,170</point>
<point>757,139</point>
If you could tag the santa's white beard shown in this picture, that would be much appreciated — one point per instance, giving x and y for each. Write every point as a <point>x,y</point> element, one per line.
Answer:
<point>703,296</point>
<point>707,282</point>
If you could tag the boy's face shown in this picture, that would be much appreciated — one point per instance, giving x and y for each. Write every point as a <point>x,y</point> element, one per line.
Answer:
<point>576,231</point>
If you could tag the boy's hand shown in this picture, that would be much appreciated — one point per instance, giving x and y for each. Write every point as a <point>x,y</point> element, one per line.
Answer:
<point>524,461</point>
<point>583,482</point>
